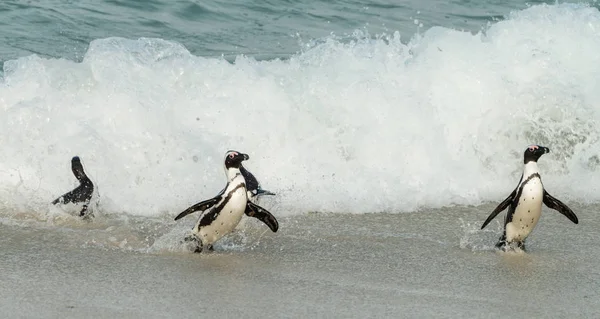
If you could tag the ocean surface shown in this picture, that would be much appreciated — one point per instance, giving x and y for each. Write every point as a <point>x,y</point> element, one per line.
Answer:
<point>389,131</point>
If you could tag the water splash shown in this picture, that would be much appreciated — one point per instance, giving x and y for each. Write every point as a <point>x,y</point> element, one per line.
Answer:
<point>368,125</point>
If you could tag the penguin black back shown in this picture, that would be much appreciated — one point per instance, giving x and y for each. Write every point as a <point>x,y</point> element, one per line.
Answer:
<point>252,184</point>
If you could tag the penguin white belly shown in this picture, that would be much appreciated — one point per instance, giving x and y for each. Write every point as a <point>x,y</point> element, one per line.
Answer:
<point>227,219</point>
<point>527,213</point>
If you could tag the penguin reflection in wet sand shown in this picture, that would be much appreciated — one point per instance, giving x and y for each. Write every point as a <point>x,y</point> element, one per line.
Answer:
<point>525,203</point>
<point>227,208</point>
<point>82,194</point>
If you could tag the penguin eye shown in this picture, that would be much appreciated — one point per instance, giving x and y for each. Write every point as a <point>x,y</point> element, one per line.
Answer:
<point>533,148</point>
<point>232,155</point>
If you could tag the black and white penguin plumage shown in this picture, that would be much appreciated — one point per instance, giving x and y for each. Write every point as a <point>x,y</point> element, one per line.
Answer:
<point>82,194</point>
<point>253,186</point>
<point>525,203</point>
<point>227,208</point>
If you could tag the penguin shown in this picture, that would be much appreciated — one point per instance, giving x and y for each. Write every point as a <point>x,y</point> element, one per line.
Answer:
<point>253,187</point>
<point>525,203</point>
<point>82,194</point>
<point>225,210</point>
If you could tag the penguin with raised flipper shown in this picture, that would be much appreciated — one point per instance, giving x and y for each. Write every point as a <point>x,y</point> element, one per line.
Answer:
<point>525,203</point>
<point>227,208</point>
<point>82,194</point>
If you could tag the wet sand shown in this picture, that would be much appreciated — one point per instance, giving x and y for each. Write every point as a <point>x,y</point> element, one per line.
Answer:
<point>430,264</point>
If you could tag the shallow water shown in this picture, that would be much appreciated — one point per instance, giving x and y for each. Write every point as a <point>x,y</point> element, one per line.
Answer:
<point>423,264</point>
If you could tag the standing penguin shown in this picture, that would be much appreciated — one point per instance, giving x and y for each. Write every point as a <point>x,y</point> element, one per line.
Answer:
<point>227,208</point>
<point>525,203</point>
<point>82,194</point>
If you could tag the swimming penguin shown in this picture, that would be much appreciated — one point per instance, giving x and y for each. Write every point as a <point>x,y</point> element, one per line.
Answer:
<point>525,203</point>
<point>253,186</point>
<point>227,208</point>
<point>83,193</point>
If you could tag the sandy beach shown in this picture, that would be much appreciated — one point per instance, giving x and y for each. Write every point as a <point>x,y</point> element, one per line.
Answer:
<point>432,264</point>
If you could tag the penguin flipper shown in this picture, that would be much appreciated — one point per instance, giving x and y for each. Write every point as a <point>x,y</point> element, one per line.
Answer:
<point>260,192</point>
<point>203,205</point>
<point>82,193</point>
<point>559,206</point>
<point>502,206</point>
<point>65,198</point>
<point>56,201</point>
<point>263,215</point>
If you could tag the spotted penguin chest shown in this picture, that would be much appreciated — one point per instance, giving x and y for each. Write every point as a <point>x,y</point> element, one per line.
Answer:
<point>528,211</point>
<point>226,218</point>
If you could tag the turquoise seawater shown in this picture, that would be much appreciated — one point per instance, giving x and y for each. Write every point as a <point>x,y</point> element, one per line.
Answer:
<point>263,29</point>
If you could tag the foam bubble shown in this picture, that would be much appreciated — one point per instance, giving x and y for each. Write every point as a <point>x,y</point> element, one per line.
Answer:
<point>367,125</point>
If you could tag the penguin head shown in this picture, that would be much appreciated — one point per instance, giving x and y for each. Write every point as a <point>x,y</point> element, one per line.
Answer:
<point>77,168</point>
<point>534,152</point>
<point>234,159</point>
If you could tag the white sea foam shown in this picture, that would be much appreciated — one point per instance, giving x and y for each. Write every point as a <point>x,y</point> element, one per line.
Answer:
<point>373,124</point>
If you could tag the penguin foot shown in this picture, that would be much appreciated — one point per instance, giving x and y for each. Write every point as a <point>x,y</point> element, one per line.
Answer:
<point>88,217</point>
<point>193,240</point>
<point>83,211</point>
<point>512,246</point>
<point>86,214</point>
<point>501,244</point>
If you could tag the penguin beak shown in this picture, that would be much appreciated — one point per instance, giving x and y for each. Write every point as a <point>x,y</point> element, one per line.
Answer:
<point>246,157</point>
<point>546,150</point>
